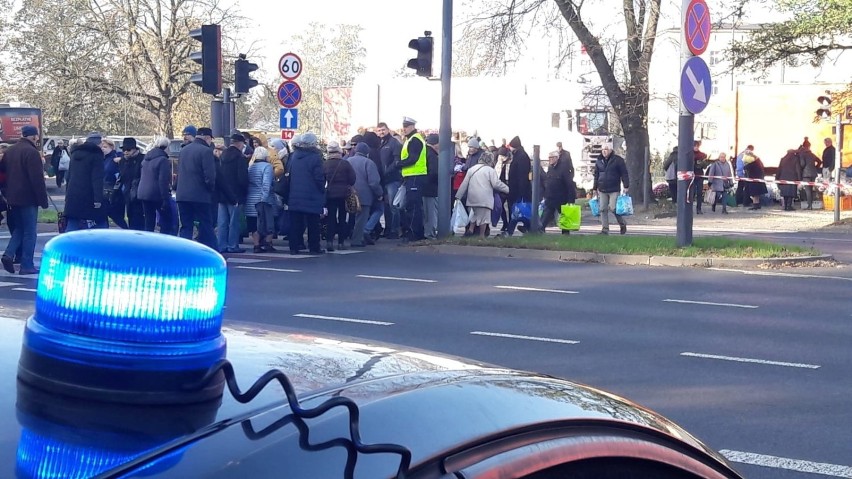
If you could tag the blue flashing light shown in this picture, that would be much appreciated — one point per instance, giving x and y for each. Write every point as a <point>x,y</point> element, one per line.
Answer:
<point>131,286</point>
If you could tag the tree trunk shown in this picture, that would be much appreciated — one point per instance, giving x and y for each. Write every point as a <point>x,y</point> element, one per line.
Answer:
<point>167,119</point>
<point>637,140</point>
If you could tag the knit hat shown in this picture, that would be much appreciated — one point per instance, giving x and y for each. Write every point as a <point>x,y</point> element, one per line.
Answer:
<point>308,140</point>
<point>432,139</point>
<point>277,143</point>
<point>190,130</point>
<point>473,143</point>
<point>515,143</point>
<point>372,140</point>
<point>362,148</point>
<point>29,130</point>
<point>94,137</point>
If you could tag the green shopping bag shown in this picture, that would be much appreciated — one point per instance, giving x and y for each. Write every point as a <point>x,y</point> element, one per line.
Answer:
<point>569,220</point>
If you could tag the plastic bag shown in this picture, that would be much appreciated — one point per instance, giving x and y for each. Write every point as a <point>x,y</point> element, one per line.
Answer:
<point>624,205</point>
<point>595,206</point>
<point>569,220</point>
<point>460,216</point>
<point>522,211</point>
<point>399,198</point>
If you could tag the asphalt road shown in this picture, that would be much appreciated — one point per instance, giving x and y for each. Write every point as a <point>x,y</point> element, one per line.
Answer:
<point>757,366</point>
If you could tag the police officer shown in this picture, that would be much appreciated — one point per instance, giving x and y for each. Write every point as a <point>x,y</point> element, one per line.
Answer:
<point>413,168</point>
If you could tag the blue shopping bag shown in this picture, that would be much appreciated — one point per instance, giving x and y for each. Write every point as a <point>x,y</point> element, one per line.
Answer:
<point>624,205</point>
<point>595,206</point>
<point>522,211</point>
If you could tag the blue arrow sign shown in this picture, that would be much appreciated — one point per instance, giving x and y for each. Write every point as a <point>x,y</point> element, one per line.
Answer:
<point>695,85</point>
<point>288,118</point>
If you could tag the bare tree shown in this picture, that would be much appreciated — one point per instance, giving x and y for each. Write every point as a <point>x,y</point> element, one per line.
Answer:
<point>333,56</point>
<point>622,64</point>
<point>132,51</point>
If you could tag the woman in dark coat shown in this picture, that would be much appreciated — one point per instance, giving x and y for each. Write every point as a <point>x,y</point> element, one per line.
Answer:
<point>306,198</point>
<point>788,169</point>
<point>84,190</point>
<point>340,176</point>
<point>755,170</point>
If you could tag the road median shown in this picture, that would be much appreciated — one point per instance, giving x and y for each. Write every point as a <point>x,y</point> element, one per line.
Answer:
<point>632,250</point>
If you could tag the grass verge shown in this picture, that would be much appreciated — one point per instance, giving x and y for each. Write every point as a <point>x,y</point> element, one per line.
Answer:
<point>47,216</point>
<point>642,245</point>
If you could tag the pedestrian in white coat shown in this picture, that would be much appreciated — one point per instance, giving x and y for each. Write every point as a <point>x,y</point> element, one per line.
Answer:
<point>479,185</point>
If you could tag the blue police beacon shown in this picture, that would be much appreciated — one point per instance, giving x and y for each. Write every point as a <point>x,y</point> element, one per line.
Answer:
<point>128,317</point>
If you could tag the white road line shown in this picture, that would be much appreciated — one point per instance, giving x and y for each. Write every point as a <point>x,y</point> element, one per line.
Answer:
<point>394,278</point>
<point>707,303</point>
<point>40,235</point>
<point>261,268</point>
<point>4,284</point>
<point>344,320</point>
<point>748,360</point>
<point>786,463</point>
<point>246,260</point>
<point>531,338</point>
<point>29,290</point>
<point>782,275</point>
<point>540,290</point>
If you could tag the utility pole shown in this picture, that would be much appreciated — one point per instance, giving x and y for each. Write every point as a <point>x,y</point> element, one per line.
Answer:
<point>445,132</point>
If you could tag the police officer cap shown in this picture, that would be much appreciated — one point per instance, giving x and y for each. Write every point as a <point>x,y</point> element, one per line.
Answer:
<point>407,121</point>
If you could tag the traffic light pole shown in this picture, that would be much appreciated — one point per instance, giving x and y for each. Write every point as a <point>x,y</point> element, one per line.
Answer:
<point>445,143</point>
<point>227,115</point>
<point>838,163</point>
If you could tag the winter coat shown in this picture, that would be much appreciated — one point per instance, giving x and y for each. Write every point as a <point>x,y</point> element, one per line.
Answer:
<point>340,176</point>
<point>472,160</point>
<point>130,171</point>
<point>719,168</point>
<point>520,184</point>
<point>479,185</point>
<point>429,188</point>
<point>156,176</point>
<point>307,181</point>
<point>788,169</point>
<point>559,187</point>
<point>610,174</point>
<point>85,183</point>
<point>366,179</point>
<point>389,153</point>
<point>808,164</point>
<point>375,143</point>
<point>232,177</point>
<point>670,166</point>
<point>25,175</point>
<point>196,173</point>
<point>755,170</point>
<point>260,177</point>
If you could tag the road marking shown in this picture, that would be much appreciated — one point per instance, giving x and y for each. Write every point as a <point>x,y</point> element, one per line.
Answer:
<point>748,360</point>
<point>261,268</point>
<point>4,284</point>
<point>394,278</point>
<point>707,303</point>
<point>783,275</point>
<point>531,338</point>
<point>245,260</point>
<point>786,463</point>
<point>345,320</point>
<point>29,290</point>
<point>40,235</point>
<point>540,290</point>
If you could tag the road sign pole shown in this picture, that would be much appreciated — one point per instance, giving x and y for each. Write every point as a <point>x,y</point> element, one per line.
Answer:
<point>228,115</point>
<point>838,162</point>
<point>445,143</point>
<point>685,157</point>
<point>535,220</point>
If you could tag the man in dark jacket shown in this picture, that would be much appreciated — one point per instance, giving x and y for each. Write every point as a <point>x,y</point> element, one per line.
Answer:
<point>430,188</point>
<point>520,182</point>
<point>389,152</point>
<point>231,188</point>
<point>84,193</point>
<point>307,193</point>
<point>559,188</point>
<point>610,174</point>
<point>828,156</point>
<point>377,209</point>
<point>130,169</point>
<point>25,192</point>
<point>700,164</point>
<point>154,190</point>
<point>195,185</point>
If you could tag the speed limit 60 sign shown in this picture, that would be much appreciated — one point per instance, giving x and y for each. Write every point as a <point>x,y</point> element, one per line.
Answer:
<point>290,66</point>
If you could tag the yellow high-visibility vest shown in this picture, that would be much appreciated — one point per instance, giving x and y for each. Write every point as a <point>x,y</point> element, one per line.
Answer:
<point>419,168</point>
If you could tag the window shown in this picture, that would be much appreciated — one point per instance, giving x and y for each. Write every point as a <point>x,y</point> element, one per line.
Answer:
<point>554,120</point>
<point>715,89</point>
<point>715,57</point>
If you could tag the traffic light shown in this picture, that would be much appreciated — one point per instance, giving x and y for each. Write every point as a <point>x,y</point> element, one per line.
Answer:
<point>824,110</point>
<point>423,62</point>
<point>210,58</point>
<point>242,81</point>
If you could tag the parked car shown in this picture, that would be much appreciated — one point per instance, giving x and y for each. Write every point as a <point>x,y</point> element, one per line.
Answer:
<point>124,372</point>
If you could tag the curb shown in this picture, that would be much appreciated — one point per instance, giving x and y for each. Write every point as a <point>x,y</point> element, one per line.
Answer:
<point>623,259</point>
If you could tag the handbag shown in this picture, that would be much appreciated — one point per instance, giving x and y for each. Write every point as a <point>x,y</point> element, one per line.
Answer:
<point>353,203</point>
<point>282,187</point>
